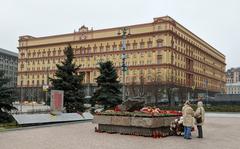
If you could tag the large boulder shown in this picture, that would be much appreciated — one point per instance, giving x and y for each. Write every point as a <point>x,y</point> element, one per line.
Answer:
<point>131,105</point>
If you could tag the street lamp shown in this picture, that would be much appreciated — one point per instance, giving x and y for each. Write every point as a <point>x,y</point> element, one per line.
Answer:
<point>46,86</point>
<point>206,83</point>
<point>124,32</point>
<point>21,95</point>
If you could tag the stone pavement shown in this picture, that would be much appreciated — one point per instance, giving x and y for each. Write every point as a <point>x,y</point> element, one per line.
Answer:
<point>219,133</point>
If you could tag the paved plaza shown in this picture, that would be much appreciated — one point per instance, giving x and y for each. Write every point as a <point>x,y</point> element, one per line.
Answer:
<point>220,132</point>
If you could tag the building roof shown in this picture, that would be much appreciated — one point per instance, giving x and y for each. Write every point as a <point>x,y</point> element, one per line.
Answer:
<point>3,51</point>
<point>164,18</point>
<point>233,69</point>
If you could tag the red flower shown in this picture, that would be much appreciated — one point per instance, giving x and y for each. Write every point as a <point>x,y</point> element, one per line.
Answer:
<point>117,109</point>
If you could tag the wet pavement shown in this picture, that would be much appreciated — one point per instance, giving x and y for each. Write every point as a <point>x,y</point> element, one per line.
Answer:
<point>221,131</point>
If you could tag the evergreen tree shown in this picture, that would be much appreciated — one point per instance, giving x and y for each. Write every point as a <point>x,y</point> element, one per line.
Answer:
<point>68,79</point>
<point>6,99</point>
<point>108,91</point>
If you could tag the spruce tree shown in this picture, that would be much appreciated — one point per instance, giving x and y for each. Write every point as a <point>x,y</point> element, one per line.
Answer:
<point>6,99</point>
<point>108,91</point>
<point>69,79</point>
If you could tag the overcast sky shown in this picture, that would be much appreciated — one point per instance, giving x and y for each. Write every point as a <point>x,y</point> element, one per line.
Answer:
<point>215,21</point>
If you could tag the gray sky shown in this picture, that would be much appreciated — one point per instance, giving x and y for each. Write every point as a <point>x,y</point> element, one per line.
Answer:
<point>215,21</point>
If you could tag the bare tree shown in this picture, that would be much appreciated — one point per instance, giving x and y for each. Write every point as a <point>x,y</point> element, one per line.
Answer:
<point>132,87</point>
<point>170,89</point>
<point>182,91</point>
<point>155,87</point>
<point>142,84</point>
<point>137,88</point>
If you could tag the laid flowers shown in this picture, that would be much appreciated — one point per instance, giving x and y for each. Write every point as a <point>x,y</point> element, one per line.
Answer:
<point>152,110</point>
<point>144,112</point>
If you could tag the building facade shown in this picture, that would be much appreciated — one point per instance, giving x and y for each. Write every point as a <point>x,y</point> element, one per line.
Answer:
<point>162,49</point>
<point>233,88</point>
<point>9,64</point>
<point>233,75</point>
<point>233,81</point>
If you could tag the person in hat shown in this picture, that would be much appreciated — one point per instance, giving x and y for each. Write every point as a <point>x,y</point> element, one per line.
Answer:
<point>188,119</point>
<point>200,117</point>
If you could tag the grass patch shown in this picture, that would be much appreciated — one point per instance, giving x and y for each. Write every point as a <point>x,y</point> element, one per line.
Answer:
<point>223,108</point>
<point>4,126</point>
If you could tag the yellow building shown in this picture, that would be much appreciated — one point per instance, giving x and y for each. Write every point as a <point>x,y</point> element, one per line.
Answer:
<point>162,48</point>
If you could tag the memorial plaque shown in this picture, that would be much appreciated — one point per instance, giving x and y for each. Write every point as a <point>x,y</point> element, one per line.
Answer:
<point>35,119</point>
<point>87,116</point>
<point>57,98</point>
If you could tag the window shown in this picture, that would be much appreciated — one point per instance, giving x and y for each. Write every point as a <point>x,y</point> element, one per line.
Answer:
<point>134,72</point>
<point>149,54</point>
<point>142,45</point>
<point>159,43</point>
<point>120,46</point>
<point>49,53</point>
<point>149,71</point>
<point>150,44</point>
<point>54,52</point>
<point>95,49</point>
<point>134,55</point>
<point>159,59</point>
<point>89,49</point>
<point>59,52</point>
<point>114,48</point>
<point>101,48</point>
<point>107,48</point>
<point>128,46</point>
<point>149,78</point>
<point>134,45</point>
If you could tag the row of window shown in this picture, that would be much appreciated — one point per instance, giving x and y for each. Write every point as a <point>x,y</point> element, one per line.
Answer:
<point>94,49</point>
<point>57,60</point>
<point>8,67</point>
<point>233,90</point>
<point>197,54</point>
<point>196,43</point>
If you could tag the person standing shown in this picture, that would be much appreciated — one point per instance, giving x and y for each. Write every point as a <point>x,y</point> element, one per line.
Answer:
<point>200,117</point>
<point>183,113</point>
<point>188,119</point>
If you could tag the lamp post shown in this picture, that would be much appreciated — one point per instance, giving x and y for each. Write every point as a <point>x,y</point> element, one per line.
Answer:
<point>193,89</point>
<point>21,96</point>
<point>206,82</point>
<point>46,86</point>
<point>124,32</point>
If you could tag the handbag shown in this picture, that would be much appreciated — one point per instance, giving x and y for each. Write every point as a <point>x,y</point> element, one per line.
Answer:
<point>199,119</point>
